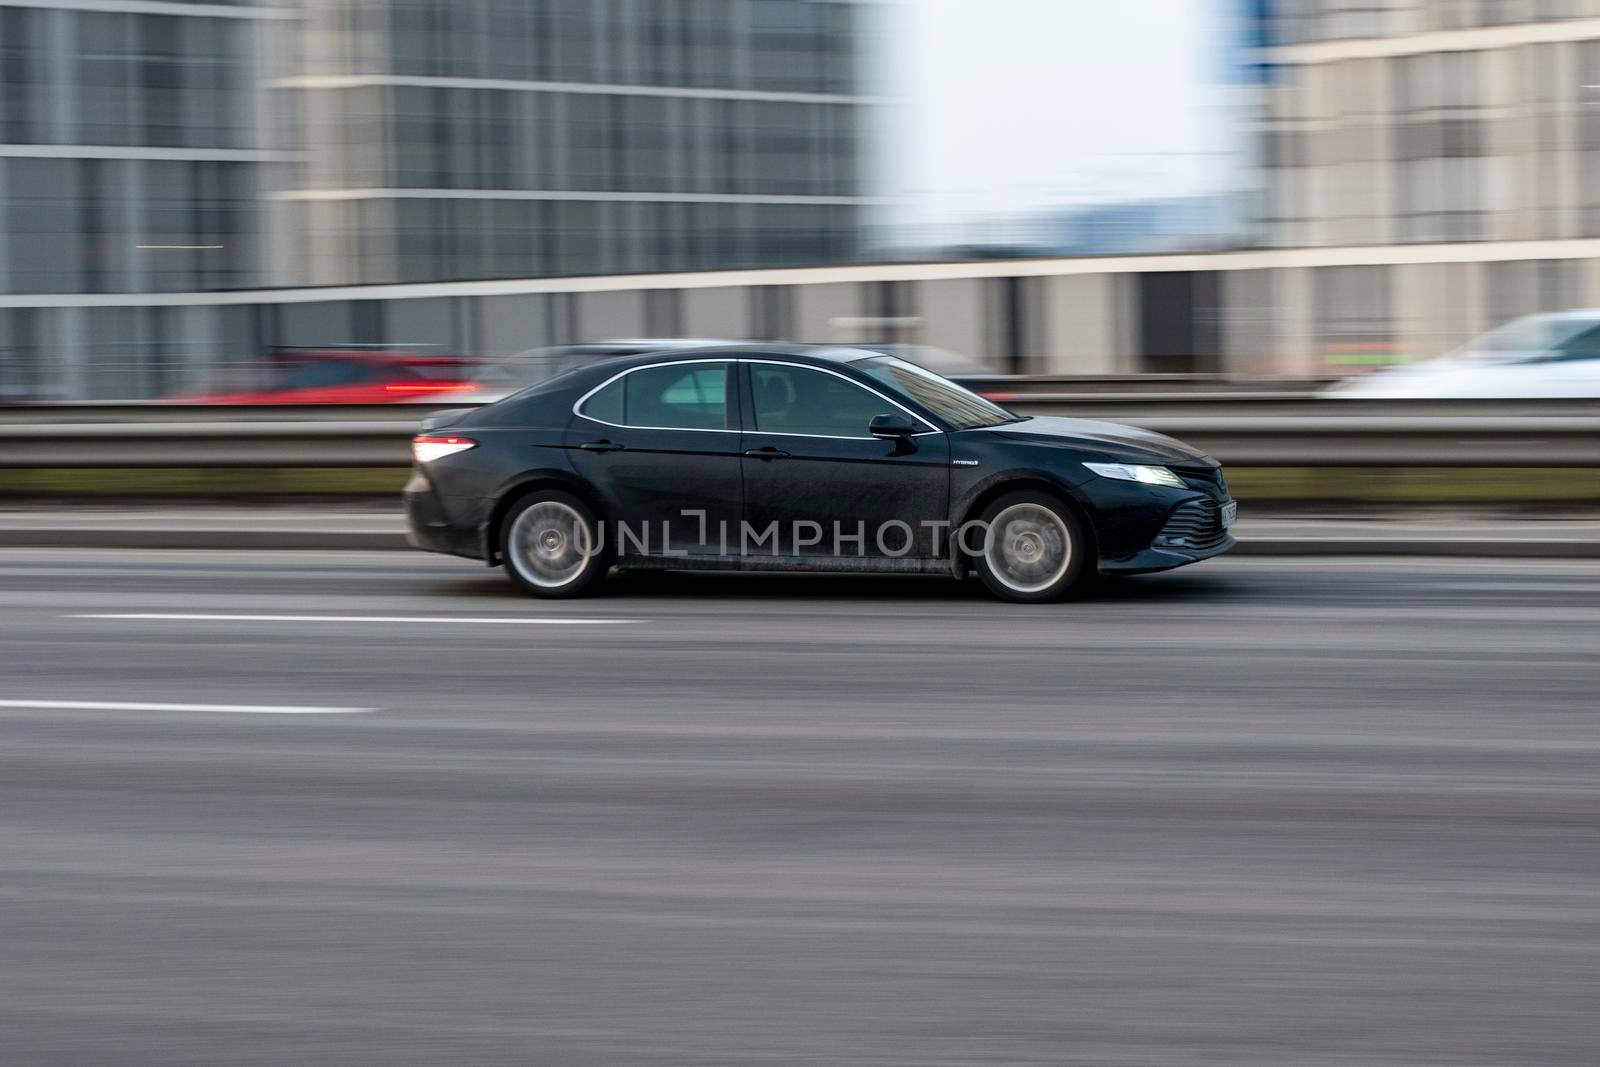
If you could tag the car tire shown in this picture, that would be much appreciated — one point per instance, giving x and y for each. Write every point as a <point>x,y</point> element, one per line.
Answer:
<point>552,545</point>
<point>1034,549</point>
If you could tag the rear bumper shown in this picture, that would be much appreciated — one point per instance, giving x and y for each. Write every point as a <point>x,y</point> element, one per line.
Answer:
<point>428,525</point>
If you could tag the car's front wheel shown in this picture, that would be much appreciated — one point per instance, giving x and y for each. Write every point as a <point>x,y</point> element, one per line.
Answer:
<point>552,546</point>
<point>1034,548</point>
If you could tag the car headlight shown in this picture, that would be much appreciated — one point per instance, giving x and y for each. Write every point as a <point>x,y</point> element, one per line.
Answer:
<point>1133,472</point>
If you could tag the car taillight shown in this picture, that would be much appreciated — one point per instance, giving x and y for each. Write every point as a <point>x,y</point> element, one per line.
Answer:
<point>429,447</point>
<point>430,387</point>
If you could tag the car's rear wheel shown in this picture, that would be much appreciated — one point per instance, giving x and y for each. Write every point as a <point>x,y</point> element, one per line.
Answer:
<point>552,546</point>
<point>1034,548</point>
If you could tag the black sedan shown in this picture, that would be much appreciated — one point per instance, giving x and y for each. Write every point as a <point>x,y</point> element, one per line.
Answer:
<point>803,458</point>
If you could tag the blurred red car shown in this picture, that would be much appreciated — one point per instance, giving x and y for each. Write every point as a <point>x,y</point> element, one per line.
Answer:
<point>343,376</point>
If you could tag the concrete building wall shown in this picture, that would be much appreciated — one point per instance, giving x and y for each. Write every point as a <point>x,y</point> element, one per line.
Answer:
<point>1079,325</point>
<point>717,312</point>
<point>1423,120</point>
<point>431,324</point>
<point>1293,312</point>
<point>513,324</point>
<point>952,314</point>
<point>603,316</point>
<point>826,312</point>
<point>1250,340</point>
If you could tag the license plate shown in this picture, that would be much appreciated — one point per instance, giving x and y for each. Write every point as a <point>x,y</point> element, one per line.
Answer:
<point>1230,514</point>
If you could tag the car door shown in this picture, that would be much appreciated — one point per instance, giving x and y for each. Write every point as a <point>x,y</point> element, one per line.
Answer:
<point>659,445</point>
<point>811,468</point>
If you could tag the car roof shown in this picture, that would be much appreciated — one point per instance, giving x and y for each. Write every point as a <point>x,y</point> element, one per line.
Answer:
<point>654,344</point>
<point>1572,314</point>
<point>815,355</point>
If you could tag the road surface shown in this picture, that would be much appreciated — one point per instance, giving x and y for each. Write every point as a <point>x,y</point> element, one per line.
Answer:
<point>271,808</point>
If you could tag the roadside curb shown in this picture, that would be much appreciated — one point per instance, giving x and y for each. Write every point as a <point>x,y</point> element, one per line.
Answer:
<point>380,540</point>
<point>1456,547</point>
<point>252,540</point>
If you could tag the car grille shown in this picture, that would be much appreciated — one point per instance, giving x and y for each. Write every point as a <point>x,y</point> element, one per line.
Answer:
<point>1196,525</point>
<point>1206,479</point>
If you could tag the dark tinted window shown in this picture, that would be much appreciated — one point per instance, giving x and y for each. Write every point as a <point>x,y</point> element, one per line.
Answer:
<point>606,405</point>
<point>961,408</point>
<point>1584,346</point>
<point>805,401</point>
<point>686,396</point>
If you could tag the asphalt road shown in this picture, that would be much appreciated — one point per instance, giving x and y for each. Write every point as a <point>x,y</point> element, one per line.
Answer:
<point>1263,812</point>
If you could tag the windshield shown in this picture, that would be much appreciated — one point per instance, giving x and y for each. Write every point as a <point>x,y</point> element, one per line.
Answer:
<point>1530,337</point>
<point>961,409</point>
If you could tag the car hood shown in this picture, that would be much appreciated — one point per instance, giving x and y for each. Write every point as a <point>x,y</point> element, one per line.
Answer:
<point>1452,378</point>
<point>1126,442</point>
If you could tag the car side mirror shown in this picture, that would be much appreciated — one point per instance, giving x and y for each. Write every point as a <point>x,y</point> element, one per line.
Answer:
<point>892,426</point>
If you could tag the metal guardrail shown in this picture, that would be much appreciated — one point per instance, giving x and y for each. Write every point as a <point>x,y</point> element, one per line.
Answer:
<point>302,444</point>
<point>1255,431</point>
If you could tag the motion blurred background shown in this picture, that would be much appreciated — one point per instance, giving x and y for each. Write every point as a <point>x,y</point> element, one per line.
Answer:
<point>275,788</point>
<point>195,195</point>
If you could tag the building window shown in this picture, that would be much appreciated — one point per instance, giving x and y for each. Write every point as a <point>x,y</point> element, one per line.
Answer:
<point>44,225</point>
<point>1441,148</point>
<point>25,369</point>
<point>22,76</point>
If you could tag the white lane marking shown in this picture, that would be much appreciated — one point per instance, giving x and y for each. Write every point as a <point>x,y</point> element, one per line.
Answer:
<point>123,705</point>
<point>428,619</point>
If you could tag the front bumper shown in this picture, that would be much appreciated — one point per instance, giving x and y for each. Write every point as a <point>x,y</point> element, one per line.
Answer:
<point>1172,528</point>
<point>1164,559</point>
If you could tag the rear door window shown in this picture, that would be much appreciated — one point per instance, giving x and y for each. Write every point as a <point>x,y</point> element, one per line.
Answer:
<point>676,396</point>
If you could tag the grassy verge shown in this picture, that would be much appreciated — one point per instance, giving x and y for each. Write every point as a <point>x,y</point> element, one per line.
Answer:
<point>1287,485</point>
<point>1414,485</point>
<point>202,483</point>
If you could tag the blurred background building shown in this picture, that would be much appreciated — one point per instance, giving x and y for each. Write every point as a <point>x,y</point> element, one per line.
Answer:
<point>185,186</point>
<point>460,139</point>
<point>131,157</point>
<point>132,161</point>
<point>161,147</point>
<point>1402,123</point>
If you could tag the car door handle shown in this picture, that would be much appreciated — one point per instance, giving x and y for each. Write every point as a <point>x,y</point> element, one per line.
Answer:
<point>766,453</point>
<point>601,446</point>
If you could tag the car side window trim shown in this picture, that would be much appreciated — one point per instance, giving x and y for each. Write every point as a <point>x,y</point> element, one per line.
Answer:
<point>577,407</point>
<point>859,385</point>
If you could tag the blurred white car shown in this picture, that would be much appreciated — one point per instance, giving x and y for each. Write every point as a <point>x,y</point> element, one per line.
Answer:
<point>1552,355</point>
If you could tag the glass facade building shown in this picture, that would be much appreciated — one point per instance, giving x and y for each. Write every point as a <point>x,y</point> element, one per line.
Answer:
<point>169,149</point>
<point>130,155</point>
<point>1420,121</point>
<point>161,146</point>
<point>1303,21</point>
<point>1426,169</point>
<point>1400,124</point>
<point>463,139</point>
